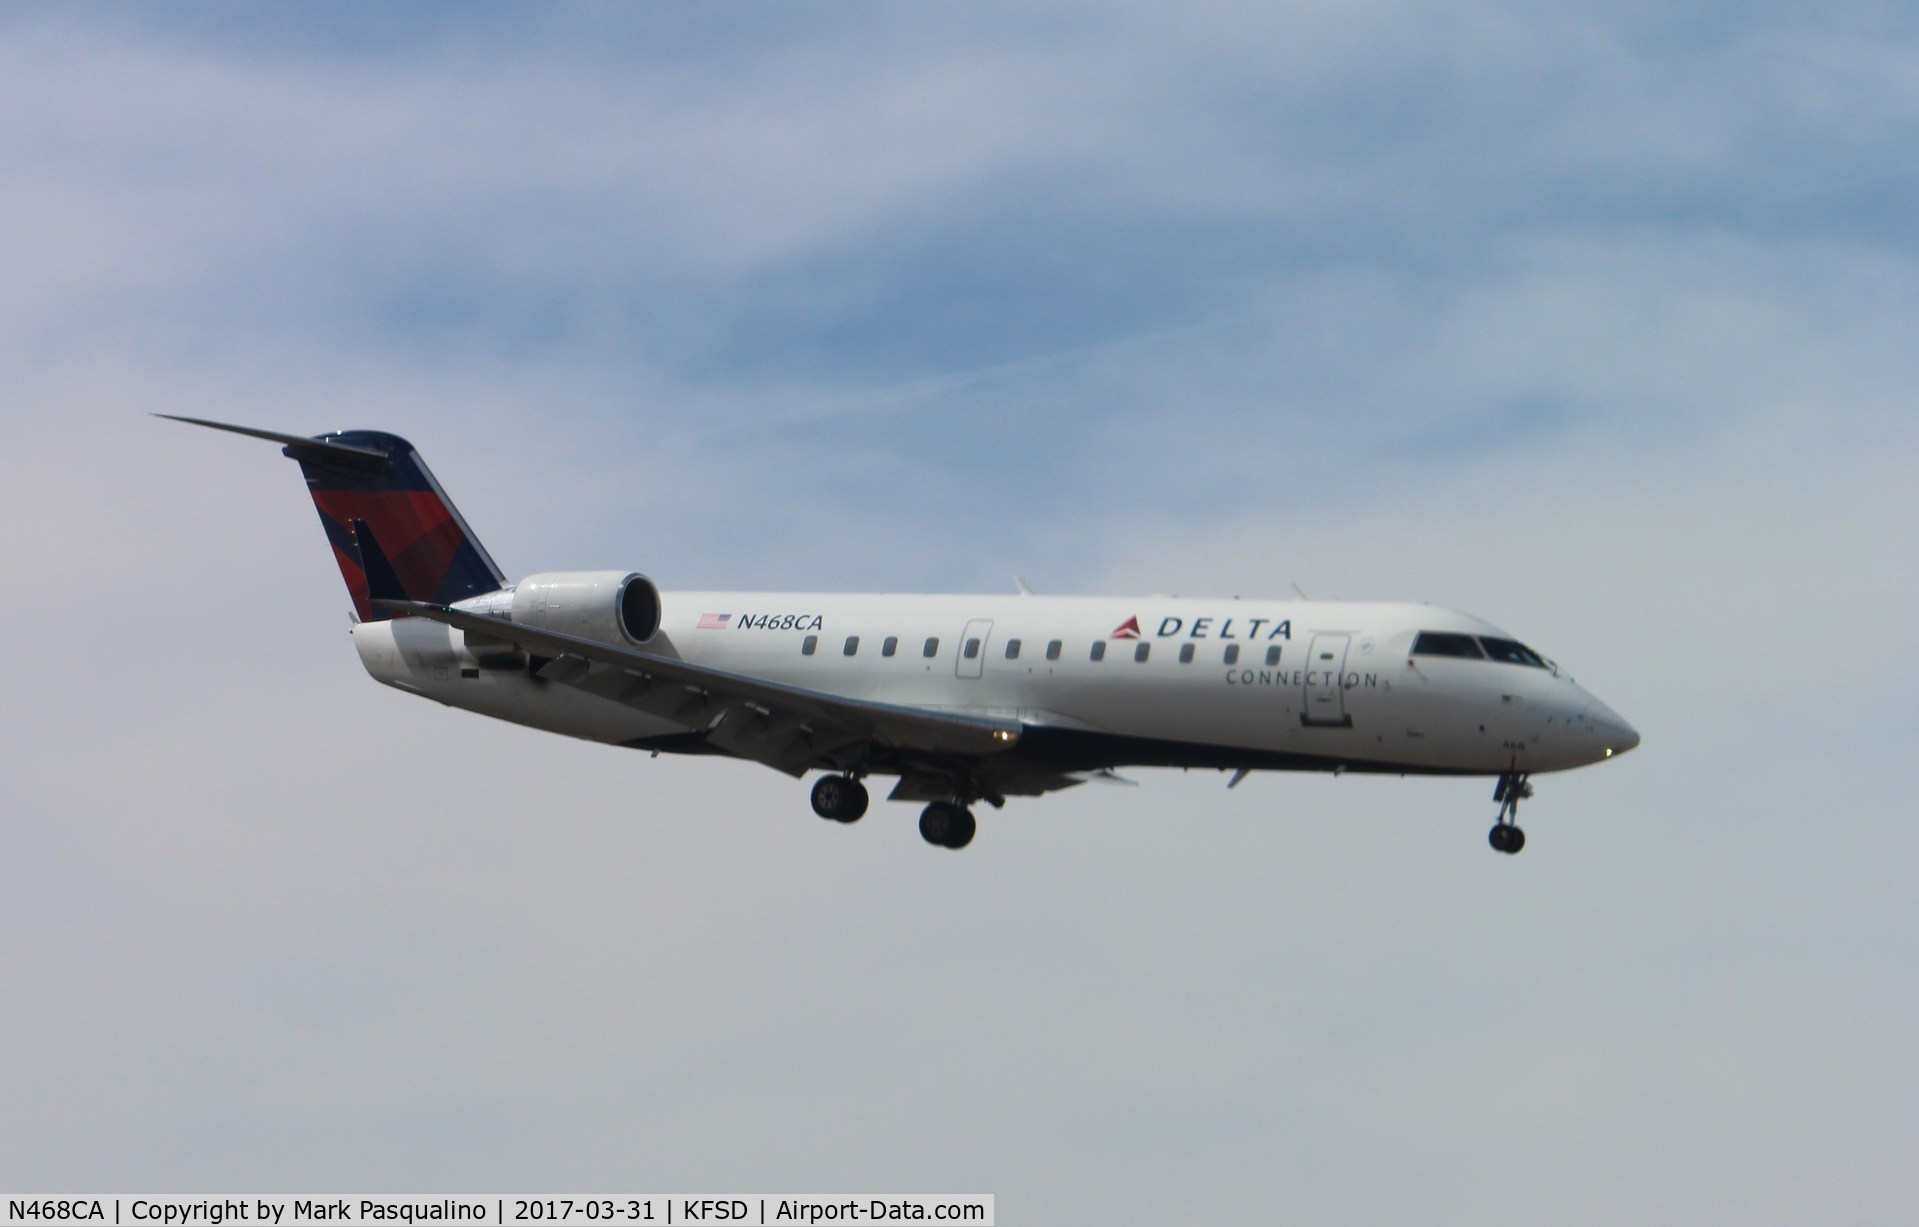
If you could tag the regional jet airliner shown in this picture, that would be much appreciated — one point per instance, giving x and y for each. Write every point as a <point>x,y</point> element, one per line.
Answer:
<point>958,699</point>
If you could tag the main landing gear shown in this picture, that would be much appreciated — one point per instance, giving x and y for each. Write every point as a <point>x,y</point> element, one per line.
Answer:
<point>839,797</point>
<point>1509,792</point>
<point>945,824</point>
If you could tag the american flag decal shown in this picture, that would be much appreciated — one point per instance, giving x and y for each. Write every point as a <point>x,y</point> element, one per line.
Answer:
<point>715,622</point>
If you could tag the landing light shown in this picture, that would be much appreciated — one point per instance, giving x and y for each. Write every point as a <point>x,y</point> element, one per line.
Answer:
<point>1008,735</point>
<point>1608,751</point>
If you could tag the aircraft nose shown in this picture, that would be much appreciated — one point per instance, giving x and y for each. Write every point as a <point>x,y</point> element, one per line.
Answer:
<point>1613,734</point>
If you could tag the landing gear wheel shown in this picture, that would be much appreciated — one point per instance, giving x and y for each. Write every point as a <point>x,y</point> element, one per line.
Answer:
<point>855,807</point>
<point>839,797</point>
<point>936,822</point>
<point>945,825</point>
<point>963,830</point>
<point>1506,838</point>
<point>829,794</point>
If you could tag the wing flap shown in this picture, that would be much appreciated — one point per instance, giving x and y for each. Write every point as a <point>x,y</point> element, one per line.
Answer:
<point>772,738</point>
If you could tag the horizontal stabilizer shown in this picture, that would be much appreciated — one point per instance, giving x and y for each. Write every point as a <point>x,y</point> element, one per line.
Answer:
<point>368,456</point>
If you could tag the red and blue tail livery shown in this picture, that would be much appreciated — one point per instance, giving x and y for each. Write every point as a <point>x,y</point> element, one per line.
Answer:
<point>379,480</point>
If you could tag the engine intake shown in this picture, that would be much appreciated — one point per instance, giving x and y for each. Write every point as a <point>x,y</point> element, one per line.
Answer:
<point>608,606</point>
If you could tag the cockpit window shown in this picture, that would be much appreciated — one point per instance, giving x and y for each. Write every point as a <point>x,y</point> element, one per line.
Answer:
<point>1512,652</point>
<point>1445,643</point>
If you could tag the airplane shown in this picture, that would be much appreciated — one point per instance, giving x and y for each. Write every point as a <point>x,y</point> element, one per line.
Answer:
<point>959,699</point>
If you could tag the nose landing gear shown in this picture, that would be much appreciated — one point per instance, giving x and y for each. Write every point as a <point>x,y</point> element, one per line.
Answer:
<point>1509,792</point>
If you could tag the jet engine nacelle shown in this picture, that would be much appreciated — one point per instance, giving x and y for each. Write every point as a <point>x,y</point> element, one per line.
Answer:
<point>609,606</point>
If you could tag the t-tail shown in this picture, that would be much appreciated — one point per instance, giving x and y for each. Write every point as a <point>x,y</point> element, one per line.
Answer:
<point>376,483</point>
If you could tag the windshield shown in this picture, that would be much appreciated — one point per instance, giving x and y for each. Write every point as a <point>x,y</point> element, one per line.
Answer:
<point>1512,652</point>
<point>1484,647</point>
<point>1445,643</point>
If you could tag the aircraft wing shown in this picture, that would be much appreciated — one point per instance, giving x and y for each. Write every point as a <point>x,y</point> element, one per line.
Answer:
<point>786,727</point>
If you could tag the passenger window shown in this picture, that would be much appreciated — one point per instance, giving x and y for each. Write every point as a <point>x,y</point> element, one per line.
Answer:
<point>1185,653</point>
<point>1445,643</point>
<point>1012,649</point>
<point>972,649</point>
<point>1512,652</point>
<point>1232,653</point>
<point>1052,650</point>
<point>890,646</point>
<point>1272,656</point>
<point>1142,651</point>
<point>931,649</point>
<point>1099,649</point>
<point>808,644</point>
<point>852,644</point>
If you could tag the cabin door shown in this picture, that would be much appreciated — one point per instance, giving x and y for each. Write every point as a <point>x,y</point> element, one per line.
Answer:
<point>1325,690</point>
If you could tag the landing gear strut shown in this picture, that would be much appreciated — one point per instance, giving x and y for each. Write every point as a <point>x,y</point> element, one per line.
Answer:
<point>947,825</point>
<point>839,797</point>
<point>1509,792</point>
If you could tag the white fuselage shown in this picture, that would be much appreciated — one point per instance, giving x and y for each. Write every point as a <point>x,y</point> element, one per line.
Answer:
<point>1328,685</point>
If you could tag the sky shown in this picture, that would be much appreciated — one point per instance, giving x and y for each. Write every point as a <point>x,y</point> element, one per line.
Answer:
<point>1593,320</point>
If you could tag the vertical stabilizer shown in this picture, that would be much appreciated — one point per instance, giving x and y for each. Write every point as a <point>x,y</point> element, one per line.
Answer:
<point>378,480</point>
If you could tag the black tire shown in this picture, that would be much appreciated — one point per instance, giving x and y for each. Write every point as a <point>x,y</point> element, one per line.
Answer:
<point>945,825</point>
<point>1516,841</point>
<point>854,806</point>
<point>1506,838</point>
<point>936,823</point>
<point>830,796</point>
<point>963,830</point>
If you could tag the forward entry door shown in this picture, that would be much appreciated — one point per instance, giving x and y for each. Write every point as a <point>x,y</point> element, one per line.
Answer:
<point>1325,697</point>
